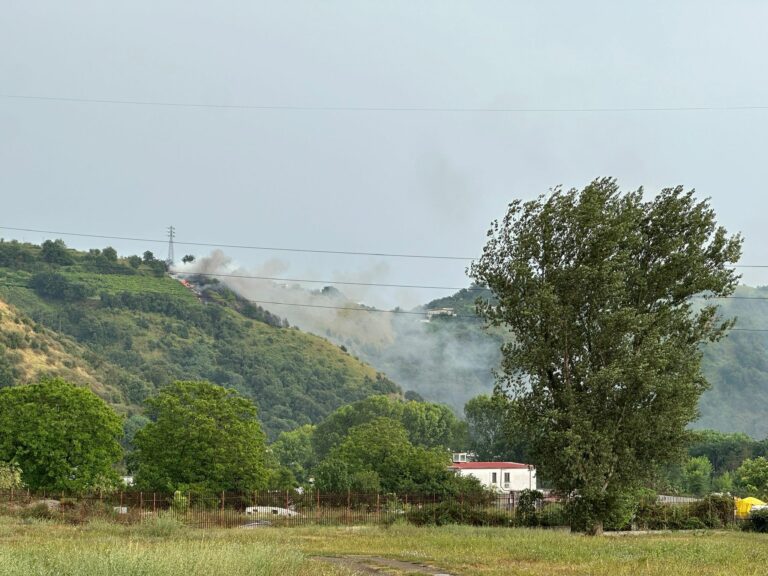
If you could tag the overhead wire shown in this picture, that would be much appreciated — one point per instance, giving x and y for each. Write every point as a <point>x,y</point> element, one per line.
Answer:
<point>400,311</point>
<point>240,246</point>
<point>405,109</point>
<point>275,248</point>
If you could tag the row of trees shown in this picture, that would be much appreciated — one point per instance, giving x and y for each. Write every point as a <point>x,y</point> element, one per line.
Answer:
<point>56,254</point>
<point>380,443</point>
<point>197,436</point>
<point>56,436</point>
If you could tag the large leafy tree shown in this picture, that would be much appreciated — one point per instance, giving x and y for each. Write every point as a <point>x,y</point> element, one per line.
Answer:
<point>62,437</point>
<point>378,455</point>
<point>752,476</point>
<point>200,437</point>
<point>293,450</point>
<point>427,424</point>
<point>494,432</point>
<point>597,287</point>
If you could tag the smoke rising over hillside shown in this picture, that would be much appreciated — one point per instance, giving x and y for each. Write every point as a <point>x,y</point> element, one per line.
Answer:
<point>448,360</point>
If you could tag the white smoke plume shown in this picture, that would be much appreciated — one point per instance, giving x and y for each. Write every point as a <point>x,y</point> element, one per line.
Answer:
<point>444,361</point>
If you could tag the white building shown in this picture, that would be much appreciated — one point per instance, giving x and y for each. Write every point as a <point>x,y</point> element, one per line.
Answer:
<point>499,476</point>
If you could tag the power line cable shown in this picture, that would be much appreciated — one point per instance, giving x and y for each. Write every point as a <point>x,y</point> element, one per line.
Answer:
<point>395,311</point>
<point>240,246</point>
<point>407,109</point>
<point>331,282</point>
<point>275,248</point>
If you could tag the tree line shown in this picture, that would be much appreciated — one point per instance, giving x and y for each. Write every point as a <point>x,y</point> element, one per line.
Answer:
<point>197,436</point>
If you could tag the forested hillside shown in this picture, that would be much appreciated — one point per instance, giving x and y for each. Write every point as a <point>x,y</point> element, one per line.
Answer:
<point>736,367</point>
<point>124,327</point>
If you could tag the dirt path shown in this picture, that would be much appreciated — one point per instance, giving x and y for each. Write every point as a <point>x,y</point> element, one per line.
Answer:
<point>382,566</point>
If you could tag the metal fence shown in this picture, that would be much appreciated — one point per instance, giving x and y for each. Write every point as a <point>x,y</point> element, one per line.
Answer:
<point>281,508</point>
<point>312,507</point>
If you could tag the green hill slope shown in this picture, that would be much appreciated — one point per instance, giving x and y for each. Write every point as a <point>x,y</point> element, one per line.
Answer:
<point>736,367</point>
<point>130,328</point>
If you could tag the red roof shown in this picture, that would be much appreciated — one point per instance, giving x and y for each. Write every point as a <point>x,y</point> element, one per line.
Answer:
<point>489,465</point>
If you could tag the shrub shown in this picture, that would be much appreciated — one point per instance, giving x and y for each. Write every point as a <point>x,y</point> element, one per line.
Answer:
<point>180,503</point>
<point>552,516</point>
<point>38,511</point>
<point>527,504</point>
<point>714,511</point>
<point>446,513</point>
<point>161,526</point>
<point>758,521</point>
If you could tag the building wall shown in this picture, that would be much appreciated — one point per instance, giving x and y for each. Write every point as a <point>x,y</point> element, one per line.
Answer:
<point>519,479</point>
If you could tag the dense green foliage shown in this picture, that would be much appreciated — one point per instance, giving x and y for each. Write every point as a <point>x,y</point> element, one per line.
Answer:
<point>605,366</point>
<point>427,424</point>
<point>135,330</point>
<point>714,460</point>
<point>293,451</point>
<point>61,436</point>
<point>379,456</point>
<point>494,432</point>
<point>200,437</point>
<point>10,477</point>
<point>753,476</point>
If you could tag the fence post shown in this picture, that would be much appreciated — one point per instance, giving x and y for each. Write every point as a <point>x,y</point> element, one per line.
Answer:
<point>348,504</point>
<point>378,507</point>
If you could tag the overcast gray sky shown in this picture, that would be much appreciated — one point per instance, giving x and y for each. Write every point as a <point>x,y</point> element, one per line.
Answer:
<point>379,181</point>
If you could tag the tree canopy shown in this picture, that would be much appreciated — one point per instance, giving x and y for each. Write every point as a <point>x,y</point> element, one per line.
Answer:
<point>200,437</point>
<point>494,432</point>
<point>62,437</point>
<point>427,424</point>
<point>597,287</point>
<point>378,456</point>
<point>753,476</point>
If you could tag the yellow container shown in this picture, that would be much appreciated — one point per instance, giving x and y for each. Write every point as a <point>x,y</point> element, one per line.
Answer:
<point>744,505</point>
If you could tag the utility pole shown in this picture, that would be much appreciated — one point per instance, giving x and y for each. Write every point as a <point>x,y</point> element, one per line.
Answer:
<point>171,235</point>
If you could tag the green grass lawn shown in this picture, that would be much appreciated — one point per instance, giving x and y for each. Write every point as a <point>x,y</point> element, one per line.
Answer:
<point>164,548</point>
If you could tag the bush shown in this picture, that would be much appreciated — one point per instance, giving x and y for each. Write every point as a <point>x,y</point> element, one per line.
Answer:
<point>714,511</point>
<point>710,512</point>
<point>527,504</point>
<point>758,521</point>
<point>161,526</point>
<point>38,511</point>
<point>180,503</point>
<point>553,516</point>
<point>446,513</point>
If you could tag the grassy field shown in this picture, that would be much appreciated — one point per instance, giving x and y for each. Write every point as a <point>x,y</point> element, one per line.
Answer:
<point>164,548</point>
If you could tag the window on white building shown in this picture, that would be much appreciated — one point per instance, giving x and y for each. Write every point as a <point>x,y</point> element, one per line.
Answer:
<point>493,477</point>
